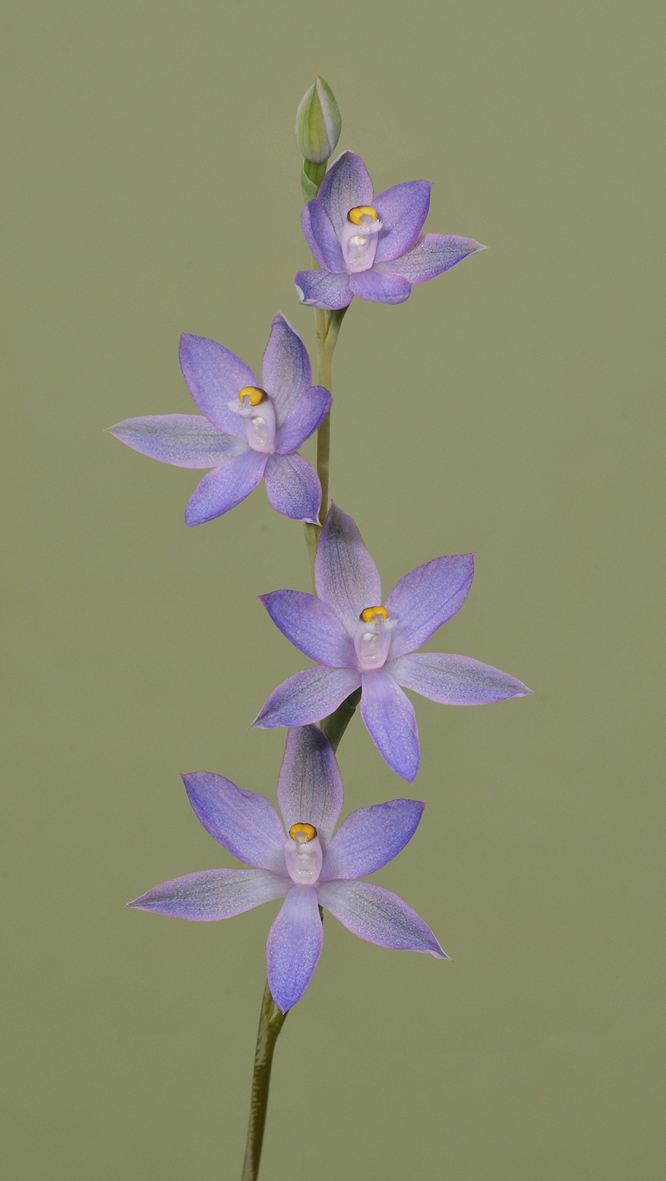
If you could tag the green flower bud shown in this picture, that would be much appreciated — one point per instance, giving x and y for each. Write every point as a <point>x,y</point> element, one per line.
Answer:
<point>318,123</point>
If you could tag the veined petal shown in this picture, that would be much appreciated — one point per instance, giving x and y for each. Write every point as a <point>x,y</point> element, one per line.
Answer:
<point>185,440</point>
<point>214,377</point>
<point>369,838</point>
<point>380,288</point>
<point>346,185</point>
<point>321,289</point>
<point>321,238</point>
<point>425,598</point>
<point>304,417</point>
<point>309,788</point>
<point>225,487</point>
<point>379,916</point>
<point>285,370</point>
<point>402,211</point>
<point>391,722</point>
<point>345,574</point>
<point>312,627</point>
<point>431,256</point>
<point>244,823</point>
<point>294,945</point>
<point>213,894</point>
<point>307,697</point>
<point>292,487</point>
<point>455,680</point>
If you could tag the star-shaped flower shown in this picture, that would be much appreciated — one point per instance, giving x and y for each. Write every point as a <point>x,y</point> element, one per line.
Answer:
<point>359,643</point>
<point>371,246</point>
<point>302,862</point>
<point>248,431</point>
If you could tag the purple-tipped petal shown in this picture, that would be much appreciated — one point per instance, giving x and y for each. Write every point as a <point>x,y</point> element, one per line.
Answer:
<point>185,440</point>
<point>321,238</point>
<point>455,680</point>
<point>213,894</point>
<point>244,823</point>
<point>225,487</point>
<point>303,418</point>
<point>402,211</point>
<point>311,626</point>
<point>285,370</point>
<point>292,487</point>
<point>214,377</point>
<point>309,787</point>
<point>432,255</point>
<point>425,598</point>
<point>345,574</point>
<point>380,288</point>
<point>307,697</point>
<point>391,722</point>
<point>320,289</point>
<point>369,838</point>
<point>294,945</point>
<point>346,185</point>
<point>379,916</point>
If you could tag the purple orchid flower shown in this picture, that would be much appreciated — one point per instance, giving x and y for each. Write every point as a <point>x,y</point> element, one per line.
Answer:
<point>371,246</point>
<point>360,644</point>
<point>302,863</point>
<point>247,432</point>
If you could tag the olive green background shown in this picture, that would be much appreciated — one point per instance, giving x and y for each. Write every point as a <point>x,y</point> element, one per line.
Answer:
<point>511,407</point>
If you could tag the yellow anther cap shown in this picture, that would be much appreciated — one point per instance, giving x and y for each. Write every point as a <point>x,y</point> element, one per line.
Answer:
<point>302,832</point>
<point>253,393</point>
<point>371,613</point>
<point>360,211</point>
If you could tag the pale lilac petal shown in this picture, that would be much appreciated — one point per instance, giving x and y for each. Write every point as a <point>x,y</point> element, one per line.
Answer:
<point>425,598</point>
<point>304,417</point>
<point>380,288</point>
<point>309,787</point>
<point>455,680</point>
<point>213,894</point>
<point>292,487</point>
<point>345,574</point>
<point>320,289</point>
<point>321,238</point>
<point>294,945</point>
<point>379,916</point>
<point>285,370</point>
<point>225,486</point>
<point>369,838</point>
<point>307,697</point>
<point>391,722</point>
<point>311,626</point>
<point>432,255</point>
<point>244,823</point>
<point>402,211</point>
<point>214,377</point>
<point>346,185</point>
<point>185,440</point>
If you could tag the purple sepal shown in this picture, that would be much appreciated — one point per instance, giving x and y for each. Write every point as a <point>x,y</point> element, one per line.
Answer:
<point>310,787</point>
<point>294,945</point>
<point>431,256</point>
<point>380,288</point>
<point>321,289</point>
<point>425,598</point>
<point>379,916</point>
<point>321,237</point>
<point>402,211</point>
<point>185,440</point>
<point>346,185</point>
<point>214,377</point>
<point>369,838</point>
<point>345,574</point>
<point>391,722</point>
<point>305,416</point>
<point>312,627</point>
<point>292,487</point>
<point>213,894</point>
<point>455,680</point>
<point>307,697</point>
<point>244,823</point>
<point>285,370</point>
<point>225,487</point>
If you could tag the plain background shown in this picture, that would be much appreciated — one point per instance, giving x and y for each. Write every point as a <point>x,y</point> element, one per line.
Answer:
<point>511,407</point>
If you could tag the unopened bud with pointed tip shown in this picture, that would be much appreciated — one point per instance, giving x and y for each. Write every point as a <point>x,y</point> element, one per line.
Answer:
<point>318,123</point>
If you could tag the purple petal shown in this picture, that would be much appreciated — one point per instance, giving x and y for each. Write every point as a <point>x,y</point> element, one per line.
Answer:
<point>213,894</point>
<point>225,486</point>
<point>309,787</point>
<point>292,487</point>
<point>369,838</point>
<point>455,680</point>
<point>294,945</point>
<point>391,722</point>
<point>186,440</point>
<point>345,575</point>
<point>320,289</point>
<point>312,627</point>
<point>425,598</point>
<point>304,417</point>
<point>307,697</point>
<point>244,823</point>
<point>402,211</point>
<point>214,377</point>
<point>432,255</point>
<point>346,185</point>
<point>321,238</point>
<point>380,288</point>
<point>379,916</point>
<point>285,370</point>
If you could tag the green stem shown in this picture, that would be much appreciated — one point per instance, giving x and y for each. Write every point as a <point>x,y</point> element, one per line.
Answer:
<point>271,1021</point>
<point>336,723</point>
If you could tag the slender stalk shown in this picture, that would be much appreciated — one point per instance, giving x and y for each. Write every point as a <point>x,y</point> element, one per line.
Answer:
<point>271,1021</point>
<point>336,723</point>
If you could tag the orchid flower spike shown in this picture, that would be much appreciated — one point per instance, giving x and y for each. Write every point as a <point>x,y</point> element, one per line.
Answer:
<point>370,246</point>
<point>358,643</point>
<point>302,862</point>
<point>249,431</point>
